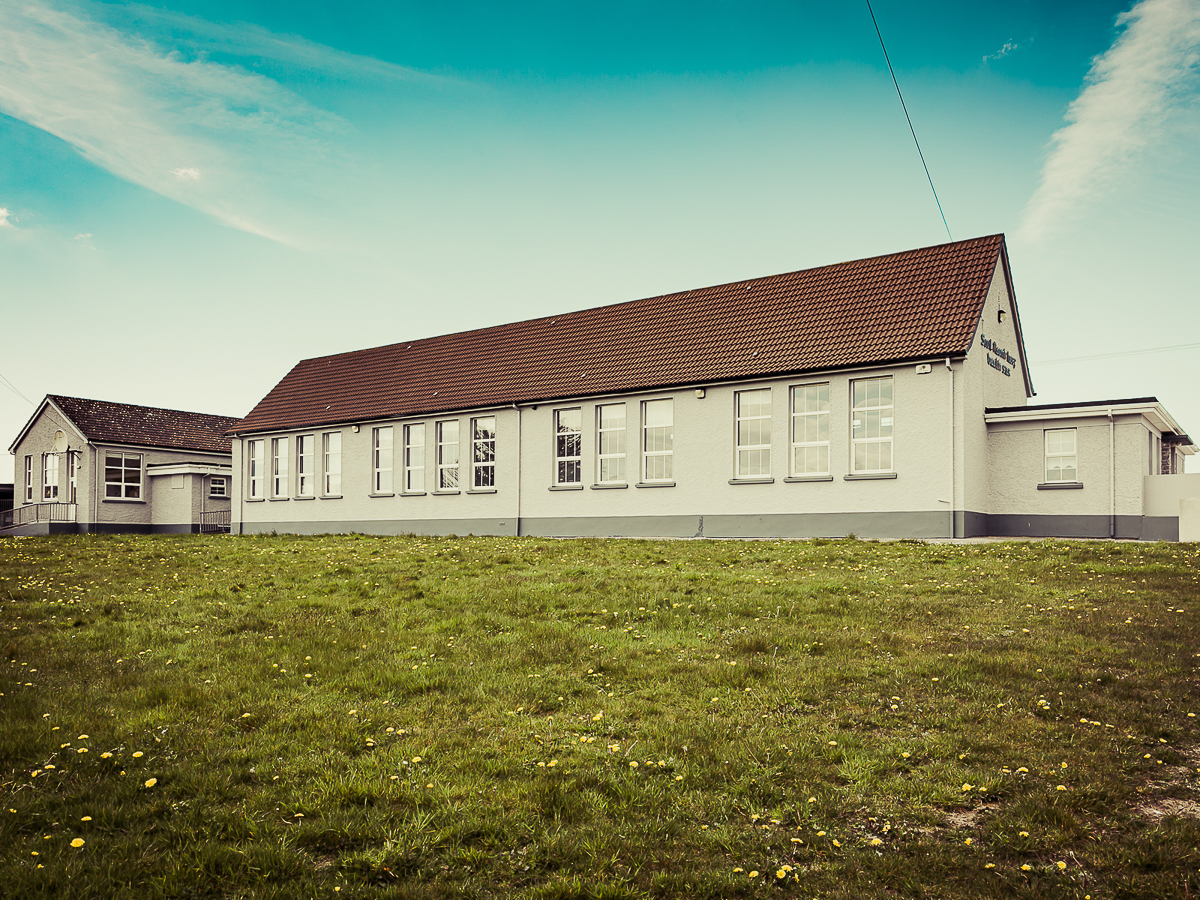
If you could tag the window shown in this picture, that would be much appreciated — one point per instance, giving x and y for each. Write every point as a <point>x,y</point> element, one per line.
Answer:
<point>382,460</point>
<point>483,451</point>
<point>447,455</point>
<point>810,429</point>
<point>123,475</point>
<point>254,469</point>
<point>72,475</point>
<point>610,444</point>
<point>414,458</point>
<point>753,433</point>
<point>217,486</point>
<point>29,479</point>
<point>658,439</point>
<point>871,425</point>
<point>49,476</point>
<point>1060,455</point>
<point>279,467</point>
<point>305,465</point>
<point>568,445</point>
<point>333,463</point>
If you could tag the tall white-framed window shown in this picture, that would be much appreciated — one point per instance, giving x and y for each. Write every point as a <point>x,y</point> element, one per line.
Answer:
<point>810,429</point>
<point>1061,458</point>
<point>123,475</point>
<point>255,469</point>
<point>658,440</point>
<point>483,452</point>
<point>447,455</point>
<point>279,467</point>
<point>381,455</point>
<point>872,424</point>
<point>218,486</point>
<point>332,452</point>
<point>610,443</point>
<point>49,476</point>
<point>414,458</point>
<point>306,461</point>
<point>72,476</point>
<point>753,409</point>
<point>28,479</point>
<point>568,446</point>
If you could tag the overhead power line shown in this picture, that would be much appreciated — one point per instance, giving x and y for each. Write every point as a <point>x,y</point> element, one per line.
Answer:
<point>1068,359</point>
<point>12,387</point>
<point>904,106</point>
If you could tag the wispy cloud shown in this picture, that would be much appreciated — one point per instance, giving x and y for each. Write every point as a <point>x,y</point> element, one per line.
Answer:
<point>1130,92</point>
<point>159,112</point>
<point>5,215</point>
<point>1009,47</point>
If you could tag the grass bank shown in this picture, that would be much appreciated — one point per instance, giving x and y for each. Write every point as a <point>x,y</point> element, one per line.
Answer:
<point>353,717</point>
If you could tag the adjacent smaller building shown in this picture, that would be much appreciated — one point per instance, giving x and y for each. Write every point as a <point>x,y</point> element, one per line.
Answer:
<point>85,466</point>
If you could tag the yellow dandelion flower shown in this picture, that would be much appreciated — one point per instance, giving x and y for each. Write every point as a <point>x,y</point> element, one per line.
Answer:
<point>77,843</point>
<point>875,842</point>
<point>633,764</point>
<point>151,782</point>
<point>837,843</point>
<point>990,866</point>
<point>137,754</point>
<point>737,869</point>
<point>106,755</point>
<point>779,873</point>
<point>1061,787</point>
<point>1024,834</point>
<point>1026,867</point>
<point>967,787</point>
<point>1061,865</point>
<point>82,737</point>
<point>969,842</point>
<point>754,874</point>
<point>86,819</point>
<point>820,834</point>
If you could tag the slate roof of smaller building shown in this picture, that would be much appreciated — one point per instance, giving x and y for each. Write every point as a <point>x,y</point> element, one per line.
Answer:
<point>146,426</point>
<point>918,304</point>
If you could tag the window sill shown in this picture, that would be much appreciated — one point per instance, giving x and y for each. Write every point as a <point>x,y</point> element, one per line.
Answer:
<point>767,480</point>
<point>800,479</point>
<point>331,496</point>
<point>873,476</point>
<point>1061,486</point>
<point>653,484</point>
<point>382,494</point>
<point>109,500</point>
<point>413,494</point>
<point>610,487</point>
<point>278,499</point>
<point>445,493</point>
<point>481,490</point>
<point>254,499</point>
<point>566,487</point>
<point>306,497</point>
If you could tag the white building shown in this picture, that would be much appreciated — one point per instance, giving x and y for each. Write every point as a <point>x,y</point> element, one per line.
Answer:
<point>884,397</point>
<point>86,466</point>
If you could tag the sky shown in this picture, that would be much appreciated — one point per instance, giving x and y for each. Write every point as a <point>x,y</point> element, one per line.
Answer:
<point>196,194</point>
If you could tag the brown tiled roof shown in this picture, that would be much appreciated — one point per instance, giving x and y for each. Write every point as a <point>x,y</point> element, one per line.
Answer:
<point>146,426</point>
<point>913,305</point>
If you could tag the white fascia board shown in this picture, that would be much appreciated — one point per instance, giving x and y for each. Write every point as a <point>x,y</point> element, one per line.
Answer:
<point>187,469</point>
<point>1158,416</point>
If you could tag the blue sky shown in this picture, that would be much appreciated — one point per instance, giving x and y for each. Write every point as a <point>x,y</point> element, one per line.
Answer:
<point>195,195</point>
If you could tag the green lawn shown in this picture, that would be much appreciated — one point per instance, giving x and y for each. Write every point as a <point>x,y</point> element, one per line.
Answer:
<point>352,717</point>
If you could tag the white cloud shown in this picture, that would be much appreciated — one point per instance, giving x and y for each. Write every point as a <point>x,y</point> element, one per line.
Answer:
<point>157,117</point>
<point>1009,47</point>
<point>1131,91</point>
<point>5,215</point>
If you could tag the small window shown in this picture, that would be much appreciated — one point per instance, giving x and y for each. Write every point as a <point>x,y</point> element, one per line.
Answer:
<point>658,440</point>
<point>414,458</point>
<point>29,479</point>
<point>810,429</point>
<point>123,475</point>
<point>483,451</point>
<point>872,425</point>
<point>610,443</point>
<point>447,455</point>
<point>279,467</point>
<point>333,463</point>
<point>568,446</point>
<point>753,433</point>
<point>49,476</point>
<point>1061,458</point>
<point>306,446</point>
<point>255,464</point>
<point>218,487</point>
<point>382,460</point>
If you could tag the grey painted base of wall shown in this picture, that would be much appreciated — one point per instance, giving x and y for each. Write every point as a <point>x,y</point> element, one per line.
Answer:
<point>1136,528</point>
<point>393,526</point>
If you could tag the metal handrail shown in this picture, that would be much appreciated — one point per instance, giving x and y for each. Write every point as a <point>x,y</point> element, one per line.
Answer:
<point>216,521</point>
<point>33,513</point>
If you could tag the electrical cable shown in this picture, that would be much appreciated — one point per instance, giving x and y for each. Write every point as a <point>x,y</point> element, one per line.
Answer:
<point>1068,359</point>
<point>12,387</point>
<point>904,106</point>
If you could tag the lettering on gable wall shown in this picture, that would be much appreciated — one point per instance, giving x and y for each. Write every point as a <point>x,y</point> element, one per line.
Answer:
<point>1002,356</point>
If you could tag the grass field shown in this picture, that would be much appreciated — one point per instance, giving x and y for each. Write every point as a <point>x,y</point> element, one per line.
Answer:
<point>353,717</point>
